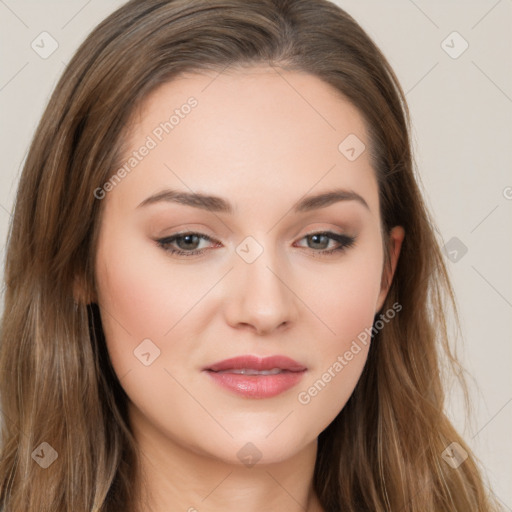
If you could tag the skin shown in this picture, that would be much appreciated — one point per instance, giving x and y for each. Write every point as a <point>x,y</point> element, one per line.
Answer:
<point>258,143</point>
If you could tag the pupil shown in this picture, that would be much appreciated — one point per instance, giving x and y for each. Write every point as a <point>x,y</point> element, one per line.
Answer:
<point>187,239</point>
<point>316,237</point>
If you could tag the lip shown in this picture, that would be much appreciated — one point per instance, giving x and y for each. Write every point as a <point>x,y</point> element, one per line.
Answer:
<point>257,363</point>
<point>257,386</point>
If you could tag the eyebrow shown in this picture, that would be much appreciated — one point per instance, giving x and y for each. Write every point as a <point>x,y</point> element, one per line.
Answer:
<point>220,205</point>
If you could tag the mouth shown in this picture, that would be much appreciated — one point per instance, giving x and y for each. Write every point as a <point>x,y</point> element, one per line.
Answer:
<point>250,363</point>
<point>252,371</point>
<point>254,377</point>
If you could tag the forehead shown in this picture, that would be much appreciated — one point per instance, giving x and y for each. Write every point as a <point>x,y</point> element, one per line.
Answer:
<point>258,128</point>
<point>249,100</point>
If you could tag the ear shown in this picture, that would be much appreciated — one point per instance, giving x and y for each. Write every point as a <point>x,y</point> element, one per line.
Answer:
<point>396,237</point>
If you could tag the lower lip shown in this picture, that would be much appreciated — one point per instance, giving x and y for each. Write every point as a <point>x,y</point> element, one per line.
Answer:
<point>257,386</point>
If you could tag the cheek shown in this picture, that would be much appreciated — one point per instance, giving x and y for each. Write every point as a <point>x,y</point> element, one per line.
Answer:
<point>346,303</point>
<point>344,295</point>
<point>340,358</point>
<point>132,300</point>
<point>141,293</point>
<point>143,296</point>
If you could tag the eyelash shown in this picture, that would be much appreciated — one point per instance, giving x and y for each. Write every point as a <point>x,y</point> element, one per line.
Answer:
<point>345,241</point>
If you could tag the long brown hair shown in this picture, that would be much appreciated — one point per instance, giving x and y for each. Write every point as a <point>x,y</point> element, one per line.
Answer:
<point>383,452</point>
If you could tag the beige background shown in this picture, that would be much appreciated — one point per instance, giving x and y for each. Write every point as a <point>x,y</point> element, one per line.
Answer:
<point>462,111</point>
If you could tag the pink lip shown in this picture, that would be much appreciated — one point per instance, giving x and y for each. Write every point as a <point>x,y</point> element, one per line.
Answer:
<point>257,363</point>
<point>257,386</point>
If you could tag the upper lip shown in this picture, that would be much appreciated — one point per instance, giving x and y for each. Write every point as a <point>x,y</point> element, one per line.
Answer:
<point>256,363</point>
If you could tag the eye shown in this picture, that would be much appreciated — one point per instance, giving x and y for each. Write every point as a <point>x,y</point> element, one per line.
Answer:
<point>184,241</point>
<point>188,243</point>
<point>323,239</point>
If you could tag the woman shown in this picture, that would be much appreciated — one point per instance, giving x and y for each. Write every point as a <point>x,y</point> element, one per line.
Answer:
<point>288,359</point>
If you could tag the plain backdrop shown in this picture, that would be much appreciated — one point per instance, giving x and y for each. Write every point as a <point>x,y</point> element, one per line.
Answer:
<point>453,60</point>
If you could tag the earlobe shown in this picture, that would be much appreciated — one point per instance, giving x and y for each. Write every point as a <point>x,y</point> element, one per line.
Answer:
<point>396,237</point>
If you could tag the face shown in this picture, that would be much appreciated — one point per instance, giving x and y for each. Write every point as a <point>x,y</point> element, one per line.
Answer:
<point>261,270</point>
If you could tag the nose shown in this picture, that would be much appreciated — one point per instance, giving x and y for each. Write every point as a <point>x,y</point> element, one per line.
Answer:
<point>260,296</point>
